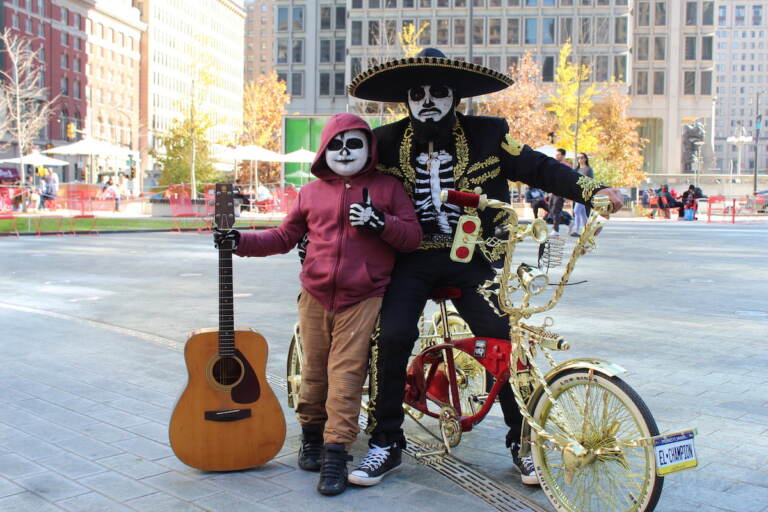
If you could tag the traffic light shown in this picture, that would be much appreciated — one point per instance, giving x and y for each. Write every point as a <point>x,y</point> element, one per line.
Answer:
<point>83,174</point>
<point>464,241</point>
<point>133,172</point>
<point>70,130</point>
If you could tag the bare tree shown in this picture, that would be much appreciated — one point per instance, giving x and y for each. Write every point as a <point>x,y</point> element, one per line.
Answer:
<point>24,103</point>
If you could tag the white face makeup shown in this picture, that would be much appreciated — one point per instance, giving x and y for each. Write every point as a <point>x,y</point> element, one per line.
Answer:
<point>347,153</point>
<point>430,102</point>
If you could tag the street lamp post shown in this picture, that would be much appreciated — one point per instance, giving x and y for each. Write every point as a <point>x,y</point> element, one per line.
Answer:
<point>739,139</point>
<point>758,121</point>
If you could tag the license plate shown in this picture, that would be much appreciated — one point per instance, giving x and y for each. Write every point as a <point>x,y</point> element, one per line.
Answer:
<point>675,452</point>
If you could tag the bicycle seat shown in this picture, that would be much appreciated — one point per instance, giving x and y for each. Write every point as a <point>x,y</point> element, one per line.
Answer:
<point>446,293</point>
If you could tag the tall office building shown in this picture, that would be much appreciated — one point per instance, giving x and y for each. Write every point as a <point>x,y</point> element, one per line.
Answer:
<point>259,36</point>
<point>114,30</point>
<point>191,51</point>
<point>742,73</point>
<point>652,46</point>
<point>310,54</point>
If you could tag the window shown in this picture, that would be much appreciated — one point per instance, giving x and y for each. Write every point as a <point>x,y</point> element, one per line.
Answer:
<point>513,31</point>
<point>338,84</point>
<point>357,4</point>
<point>425,3</point>
<point>390,4</point>
<point>40,7</point>
<point>478,31</point>
<point>706,83</point>
<point>689,82</point>
<point>325,50</point>
<point>548,31</point>
<point>443,3</point>
<point>340,50</point>
<point>325,17</point>
<point>757,15</point>
<point>297,83</point>
<point>585,30</point>
<point>706,48</point>
<point>512,62</point>
<point>660,14</point>
<point>602,30</point>
<point>76,90</point>
<point>548,69</point>
<point>374,4</point>
<point>341,18</point>
<point>641,82</point>
<point>282,51</point>
<point>459,32</point>
<point>76,65</point>
<point>357,33</point>
<point>740,15</point>
<point>282,19</point>
<point>390,31</point>
<point>41,29</point>
<point>297,53</point>
<point>28,26</point>
<point>494,31</point>
<point>708,13</point>
<point>64,61</point>
<point>620,36</point>
<point>373,32</point>
<point>722,15</point>
<point>643,14</point>
<point>643,47</point>
<point>325,84</point>
<point>494,62</point>
<point>566,30</point>
<point>659,48</point>
<point>443,29</point>
<point>64,38</point>
<point>690,48</point>
<point>298,19</point>
<point>64,86</point>
<point>658,82</point>
<point>530,31</point>
<point>690,13</point>
<point>356,66</point>
<point>601,68</point>
<point>620,68</point>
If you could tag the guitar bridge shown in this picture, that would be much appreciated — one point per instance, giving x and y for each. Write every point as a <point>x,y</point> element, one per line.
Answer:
<point>228,415</point>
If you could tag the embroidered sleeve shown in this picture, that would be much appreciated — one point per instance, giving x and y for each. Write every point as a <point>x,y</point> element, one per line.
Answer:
<point>511,146</point>
<point>588,187</point>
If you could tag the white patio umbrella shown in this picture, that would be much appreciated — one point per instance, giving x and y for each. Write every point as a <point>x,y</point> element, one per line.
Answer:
<point>300,155</point>
<point>36,159</point>
<point>89,147</point>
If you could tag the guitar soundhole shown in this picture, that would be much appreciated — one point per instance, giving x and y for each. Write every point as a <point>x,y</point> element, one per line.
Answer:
<point>227,371</point>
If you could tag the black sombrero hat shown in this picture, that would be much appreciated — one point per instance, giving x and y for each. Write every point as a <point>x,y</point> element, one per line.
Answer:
<point>391,80</point>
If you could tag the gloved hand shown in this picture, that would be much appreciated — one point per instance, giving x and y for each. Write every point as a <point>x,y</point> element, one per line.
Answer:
<point>302,248</point>
<point>231,236</point>
<point>365,215</point>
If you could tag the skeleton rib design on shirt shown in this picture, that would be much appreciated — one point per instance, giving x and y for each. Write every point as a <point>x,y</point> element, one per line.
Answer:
<point>434,172</point>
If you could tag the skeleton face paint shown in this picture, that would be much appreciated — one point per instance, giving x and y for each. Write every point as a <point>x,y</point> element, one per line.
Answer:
<point>347,153</point>
<point>430,102</point>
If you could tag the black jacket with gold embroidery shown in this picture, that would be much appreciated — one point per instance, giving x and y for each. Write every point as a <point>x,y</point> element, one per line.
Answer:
<point>484,156</point>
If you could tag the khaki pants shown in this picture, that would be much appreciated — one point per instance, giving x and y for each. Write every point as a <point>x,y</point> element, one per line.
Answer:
<point>335,348</point>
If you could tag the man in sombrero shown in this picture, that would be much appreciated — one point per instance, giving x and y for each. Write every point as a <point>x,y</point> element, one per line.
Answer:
<point>436,148</point>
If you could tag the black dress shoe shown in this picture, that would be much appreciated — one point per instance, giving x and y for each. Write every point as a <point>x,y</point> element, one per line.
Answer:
<point>333,472</point>
<point>311,451</point>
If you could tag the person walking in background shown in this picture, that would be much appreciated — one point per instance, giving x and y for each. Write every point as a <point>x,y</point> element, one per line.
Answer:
<point>556,202</point>
<point>580,211</point>
<point>536,199</point>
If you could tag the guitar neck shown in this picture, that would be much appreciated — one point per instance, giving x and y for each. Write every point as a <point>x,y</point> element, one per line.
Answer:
<point>226,305</point>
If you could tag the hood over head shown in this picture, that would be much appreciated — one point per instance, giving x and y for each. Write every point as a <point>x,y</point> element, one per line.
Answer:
<point>337,124</point>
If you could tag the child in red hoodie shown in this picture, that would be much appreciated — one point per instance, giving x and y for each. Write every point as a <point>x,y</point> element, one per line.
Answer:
<point>356,220</point>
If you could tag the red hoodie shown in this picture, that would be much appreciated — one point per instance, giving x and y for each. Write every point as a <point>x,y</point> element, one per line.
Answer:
<point>344,264</point>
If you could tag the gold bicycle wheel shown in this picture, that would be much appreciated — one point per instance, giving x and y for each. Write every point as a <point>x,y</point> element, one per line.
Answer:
<point>293,370</point>
<point>604,414</point>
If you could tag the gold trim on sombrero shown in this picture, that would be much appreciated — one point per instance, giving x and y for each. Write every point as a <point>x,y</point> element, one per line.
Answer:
<point>438,62</point>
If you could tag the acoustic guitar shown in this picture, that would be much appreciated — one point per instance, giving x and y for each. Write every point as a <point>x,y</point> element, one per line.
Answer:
<point>227,418</point>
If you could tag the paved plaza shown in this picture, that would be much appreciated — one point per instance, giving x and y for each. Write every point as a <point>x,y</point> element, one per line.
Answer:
<point>92,327</point>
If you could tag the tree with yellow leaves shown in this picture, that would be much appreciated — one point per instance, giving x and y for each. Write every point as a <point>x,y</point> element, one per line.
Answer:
<point>520,104</point>
<point>409,39</point>
<point>263,110</point>
<point>576,128</point>
<point>620,143</point>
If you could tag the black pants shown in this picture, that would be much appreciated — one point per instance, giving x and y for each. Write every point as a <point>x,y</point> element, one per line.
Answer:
<point>414,277</point>
<point>557,208</point>
<point>539,203</point>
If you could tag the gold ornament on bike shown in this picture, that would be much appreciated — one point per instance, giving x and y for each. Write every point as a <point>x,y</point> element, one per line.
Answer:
<point>533,280</point>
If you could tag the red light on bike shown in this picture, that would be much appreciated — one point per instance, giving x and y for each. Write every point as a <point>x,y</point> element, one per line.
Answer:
<point>462,252</point>
<point>468,227</point>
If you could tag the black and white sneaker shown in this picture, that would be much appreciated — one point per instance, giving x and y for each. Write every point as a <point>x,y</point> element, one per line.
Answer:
<point>379,461</point>
<point>526,467</point>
